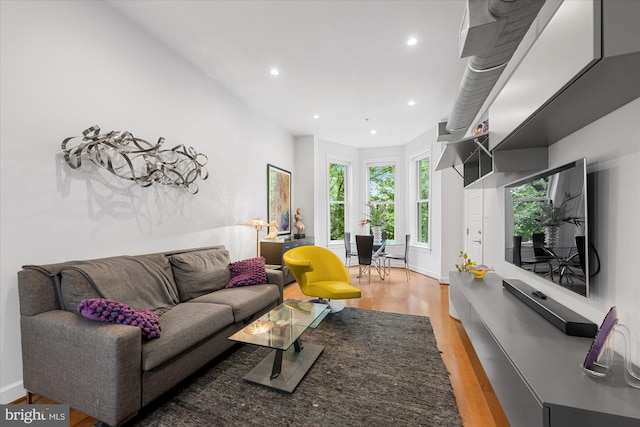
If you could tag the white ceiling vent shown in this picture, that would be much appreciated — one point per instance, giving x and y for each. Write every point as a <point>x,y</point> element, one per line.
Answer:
<point>480,30</point>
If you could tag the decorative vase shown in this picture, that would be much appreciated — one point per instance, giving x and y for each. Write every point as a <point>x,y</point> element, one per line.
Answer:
<point>551,235</point>
<point>377,233</point>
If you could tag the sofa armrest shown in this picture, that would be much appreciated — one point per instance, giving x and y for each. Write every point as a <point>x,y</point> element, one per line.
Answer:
<point>277,278</point>
<point>92,366</point>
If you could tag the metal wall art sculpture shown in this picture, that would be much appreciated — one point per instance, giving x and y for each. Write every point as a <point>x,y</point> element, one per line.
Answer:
<point>137,160</point>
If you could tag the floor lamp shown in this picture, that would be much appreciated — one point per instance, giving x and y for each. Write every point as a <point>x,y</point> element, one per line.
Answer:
<point>258,224</point>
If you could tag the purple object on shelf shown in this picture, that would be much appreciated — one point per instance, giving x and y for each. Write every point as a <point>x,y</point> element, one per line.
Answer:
<point>609,322</point>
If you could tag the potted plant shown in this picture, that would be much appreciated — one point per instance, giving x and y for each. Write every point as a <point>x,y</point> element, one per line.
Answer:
<point>552,218</point>
<point>472,267</point>
<point>466,263</point>
<point>377,217</point>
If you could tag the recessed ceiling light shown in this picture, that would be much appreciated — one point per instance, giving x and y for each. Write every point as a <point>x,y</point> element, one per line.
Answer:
<point>274,72</point>
<point>373,131</point>
<point>412,41</point>
<point>411,103</point>
<point>315,116</point>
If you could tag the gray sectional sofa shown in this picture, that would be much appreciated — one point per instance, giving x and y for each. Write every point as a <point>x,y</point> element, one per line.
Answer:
<point>108,370</point>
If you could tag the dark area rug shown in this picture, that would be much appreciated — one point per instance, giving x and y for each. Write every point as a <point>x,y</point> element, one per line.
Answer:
<point>377,369</point>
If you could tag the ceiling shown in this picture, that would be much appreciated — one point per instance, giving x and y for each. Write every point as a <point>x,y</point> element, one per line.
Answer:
<point>346,61</point>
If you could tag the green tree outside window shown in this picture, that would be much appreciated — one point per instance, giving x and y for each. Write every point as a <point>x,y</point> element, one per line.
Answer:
<point>527,202</point>
<point>382,192</point>
<point>422,202</point>
<point>337,200</point>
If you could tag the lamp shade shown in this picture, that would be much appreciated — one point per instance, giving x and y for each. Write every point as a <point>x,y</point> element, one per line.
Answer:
<point>257,223</point>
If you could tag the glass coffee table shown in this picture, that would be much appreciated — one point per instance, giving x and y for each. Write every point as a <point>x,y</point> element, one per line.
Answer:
<point>281,329</point>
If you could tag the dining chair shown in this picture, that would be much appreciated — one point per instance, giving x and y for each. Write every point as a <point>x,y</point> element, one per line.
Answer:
<point>348,253</point>
<point>366,256</point>
<point>405,257</point>
<point>544,257</point>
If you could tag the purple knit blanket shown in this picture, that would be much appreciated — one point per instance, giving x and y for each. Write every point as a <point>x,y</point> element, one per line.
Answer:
<point>104,310</point>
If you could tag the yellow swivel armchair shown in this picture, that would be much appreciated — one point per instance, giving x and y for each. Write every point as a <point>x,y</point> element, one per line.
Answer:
<point>321,274</point>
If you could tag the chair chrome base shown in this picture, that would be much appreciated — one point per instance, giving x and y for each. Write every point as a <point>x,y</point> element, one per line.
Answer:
<point>334,305</point>
<point>387,265</point>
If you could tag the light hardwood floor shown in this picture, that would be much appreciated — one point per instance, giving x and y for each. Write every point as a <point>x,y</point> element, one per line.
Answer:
<point>424,296</point>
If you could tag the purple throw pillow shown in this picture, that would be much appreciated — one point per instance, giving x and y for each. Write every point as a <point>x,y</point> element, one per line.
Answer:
<point>104,310</point>
<point>247,272</point>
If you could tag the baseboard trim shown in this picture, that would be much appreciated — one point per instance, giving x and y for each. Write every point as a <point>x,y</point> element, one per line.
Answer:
<point>12,392</point>
<point>425,272</point>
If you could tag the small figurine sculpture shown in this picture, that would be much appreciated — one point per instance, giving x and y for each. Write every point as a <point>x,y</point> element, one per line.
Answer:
<point>273,231</point>
<point>299,224</point>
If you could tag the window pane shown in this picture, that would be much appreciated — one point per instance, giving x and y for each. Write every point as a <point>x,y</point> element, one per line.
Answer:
<point>422,199</point>
<point>337,200</point>
<point>423,222</point>
<point>336,182</point>
<point>381,193</point>
<point>424,178</point>
<point>336,221</point>
<point>381,183</point>
<point>389,228</point>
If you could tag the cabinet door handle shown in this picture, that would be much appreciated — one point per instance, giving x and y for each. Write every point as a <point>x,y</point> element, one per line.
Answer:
<point>476,241</point>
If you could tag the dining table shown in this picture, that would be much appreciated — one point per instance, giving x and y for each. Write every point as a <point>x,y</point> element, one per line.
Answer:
<point>378,251</point>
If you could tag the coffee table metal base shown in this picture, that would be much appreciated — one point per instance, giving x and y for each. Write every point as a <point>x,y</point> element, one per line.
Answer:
<point>295,364</point>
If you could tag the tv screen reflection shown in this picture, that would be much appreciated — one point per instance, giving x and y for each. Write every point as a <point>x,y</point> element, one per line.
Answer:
<point>546,226</point>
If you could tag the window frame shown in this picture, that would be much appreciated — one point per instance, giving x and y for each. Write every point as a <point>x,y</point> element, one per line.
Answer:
<point>416,193</point>
<point>394,164</point>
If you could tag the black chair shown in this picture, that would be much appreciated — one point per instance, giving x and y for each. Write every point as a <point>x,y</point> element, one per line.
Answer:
<point>405,257</point>
<point>545,257</point>
<point>539,250</point>
<point>581,246</point>
<point>575,265</point>
<point>366,256</point>
<point>348,253</point>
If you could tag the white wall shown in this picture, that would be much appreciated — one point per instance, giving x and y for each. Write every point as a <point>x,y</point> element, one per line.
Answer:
<point>612,148</point>
<point>68,65</point>
<point>303,183</point>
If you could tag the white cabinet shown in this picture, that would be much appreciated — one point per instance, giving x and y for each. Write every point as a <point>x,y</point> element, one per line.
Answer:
<point>567,46</point>
<point>584,64</point>
<point>533,367</point>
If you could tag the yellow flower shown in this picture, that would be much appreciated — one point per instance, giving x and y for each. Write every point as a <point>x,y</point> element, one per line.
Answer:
<point>467,262</point>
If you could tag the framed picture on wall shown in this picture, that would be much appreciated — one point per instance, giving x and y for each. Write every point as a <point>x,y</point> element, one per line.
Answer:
<point>279,198</point>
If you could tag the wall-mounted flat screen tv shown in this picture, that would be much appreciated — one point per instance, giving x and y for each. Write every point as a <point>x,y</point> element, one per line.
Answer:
<point>546,226</point>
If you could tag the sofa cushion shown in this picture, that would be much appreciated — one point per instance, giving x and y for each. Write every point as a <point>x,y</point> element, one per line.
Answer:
<point>104,310</point>
<point>183,327</point>
<point>200,272</point>
<point>247,272</point>
<point>245,301</point>
<point>75,287</point>
<point>142,282</point>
